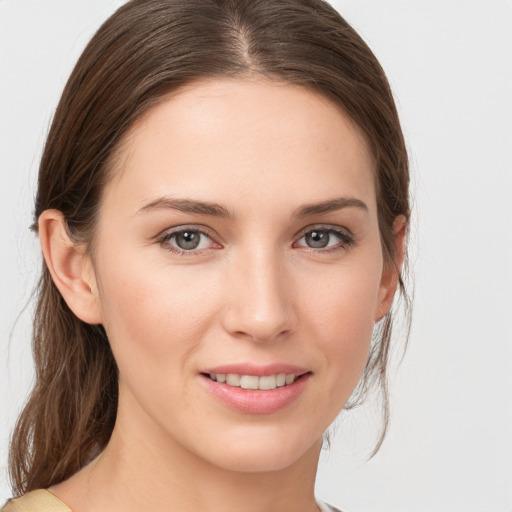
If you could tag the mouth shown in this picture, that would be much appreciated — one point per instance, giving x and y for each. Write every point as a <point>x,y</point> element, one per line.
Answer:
<point>257,390</point>
<point>264,383</point>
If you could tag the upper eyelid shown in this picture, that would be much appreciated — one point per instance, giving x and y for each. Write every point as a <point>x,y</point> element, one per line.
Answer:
<point>178,229</point>
<point>324,227</point>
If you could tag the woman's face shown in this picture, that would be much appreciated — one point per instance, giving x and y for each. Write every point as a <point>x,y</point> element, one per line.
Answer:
<point>238,241</point>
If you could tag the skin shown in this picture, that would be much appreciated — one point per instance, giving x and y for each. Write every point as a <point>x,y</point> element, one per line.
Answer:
<point>254,291</point>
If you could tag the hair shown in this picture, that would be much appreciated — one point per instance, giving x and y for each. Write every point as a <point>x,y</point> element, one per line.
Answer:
<point>143,52</point>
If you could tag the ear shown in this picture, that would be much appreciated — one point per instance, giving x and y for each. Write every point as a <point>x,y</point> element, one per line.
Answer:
<point>391,270</point>
<point>71,269</point>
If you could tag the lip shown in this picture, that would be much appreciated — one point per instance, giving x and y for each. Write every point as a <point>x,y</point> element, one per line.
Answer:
<point>256,401</point>
<point>258,371</point>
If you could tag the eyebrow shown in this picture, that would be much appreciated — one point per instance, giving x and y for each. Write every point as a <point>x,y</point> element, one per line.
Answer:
<point>217,210</point>
<point>331,205</point>
<point>188,206</point>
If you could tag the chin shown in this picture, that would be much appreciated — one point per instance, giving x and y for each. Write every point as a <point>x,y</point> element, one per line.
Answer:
<point>263,451</point>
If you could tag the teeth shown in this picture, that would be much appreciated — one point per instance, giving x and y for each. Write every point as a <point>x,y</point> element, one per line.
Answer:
<point>267,382</point>
<point>254,382</point>
<point>233,380</point>
<point>249,382</point>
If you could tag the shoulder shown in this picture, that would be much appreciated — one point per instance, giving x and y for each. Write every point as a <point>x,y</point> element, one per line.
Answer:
<point>44,501</point>
<point>36,501</point>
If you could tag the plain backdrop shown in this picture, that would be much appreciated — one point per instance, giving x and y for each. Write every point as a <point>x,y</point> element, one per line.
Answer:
<point>450,66</point>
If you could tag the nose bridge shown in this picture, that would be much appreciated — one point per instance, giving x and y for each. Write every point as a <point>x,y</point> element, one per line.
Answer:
<point>260,303</point>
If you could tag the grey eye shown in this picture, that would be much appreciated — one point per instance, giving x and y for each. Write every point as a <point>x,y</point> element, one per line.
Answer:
<point>317,239</point>
<point>187,240</point>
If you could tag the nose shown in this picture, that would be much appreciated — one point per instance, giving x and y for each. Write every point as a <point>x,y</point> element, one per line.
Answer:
<point>259,304</point>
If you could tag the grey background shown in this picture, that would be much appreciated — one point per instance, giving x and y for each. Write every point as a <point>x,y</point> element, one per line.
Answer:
<point>450,65</point>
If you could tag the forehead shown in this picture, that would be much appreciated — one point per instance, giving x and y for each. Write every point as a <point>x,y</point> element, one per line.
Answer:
<point>234,139</point>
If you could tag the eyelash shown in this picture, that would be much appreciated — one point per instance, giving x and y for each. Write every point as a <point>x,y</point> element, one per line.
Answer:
<point>165,239</point>
<point>347,240</point>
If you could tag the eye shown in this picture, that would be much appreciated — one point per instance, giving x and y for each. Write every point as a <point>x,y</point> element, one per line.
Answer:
<point>325,238</point>
<point>187,240</point>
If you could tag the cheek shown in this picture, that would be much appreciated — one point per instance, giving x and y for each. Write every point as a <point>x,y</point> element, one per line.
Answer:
<point>153,314</point>
<point>341,314</point>
<point>344,298</point>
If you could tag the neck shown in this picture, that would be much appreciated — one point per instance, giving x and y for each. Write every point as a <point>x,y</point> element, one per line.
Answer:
<point>149,471</point>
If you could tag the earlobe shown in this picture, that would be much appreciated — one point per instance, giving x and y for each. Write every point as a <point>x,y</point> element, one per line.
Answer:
<point>391,271</point>
<point>70,268</point>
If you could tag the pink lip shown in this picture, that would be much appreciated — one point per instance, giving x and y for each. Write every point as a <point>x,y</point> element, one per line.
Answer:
<point>256,401</point>
<point>259,371</point>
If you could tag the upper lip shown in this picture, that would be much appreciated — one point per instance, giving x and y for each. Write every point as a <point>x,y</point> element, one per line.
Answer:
<point>257,370</point>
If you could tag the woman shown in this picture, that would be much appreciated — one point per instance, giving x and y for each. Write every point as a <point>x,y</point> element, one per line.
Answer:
<point>222,208</point>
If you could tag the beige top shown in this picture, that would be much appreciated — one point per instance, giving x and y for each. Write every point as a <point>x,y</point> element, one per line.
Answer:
<point>36,501</point>
<point>44,501</point>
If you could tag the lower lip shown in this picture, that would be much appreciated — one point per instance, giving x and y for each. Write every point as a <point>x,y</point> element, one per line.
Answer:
<point>255,401</point>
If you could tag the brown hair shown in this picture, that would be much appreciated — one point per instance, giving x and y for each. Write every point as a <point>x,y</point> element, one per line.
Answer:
<point>147,49</point>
